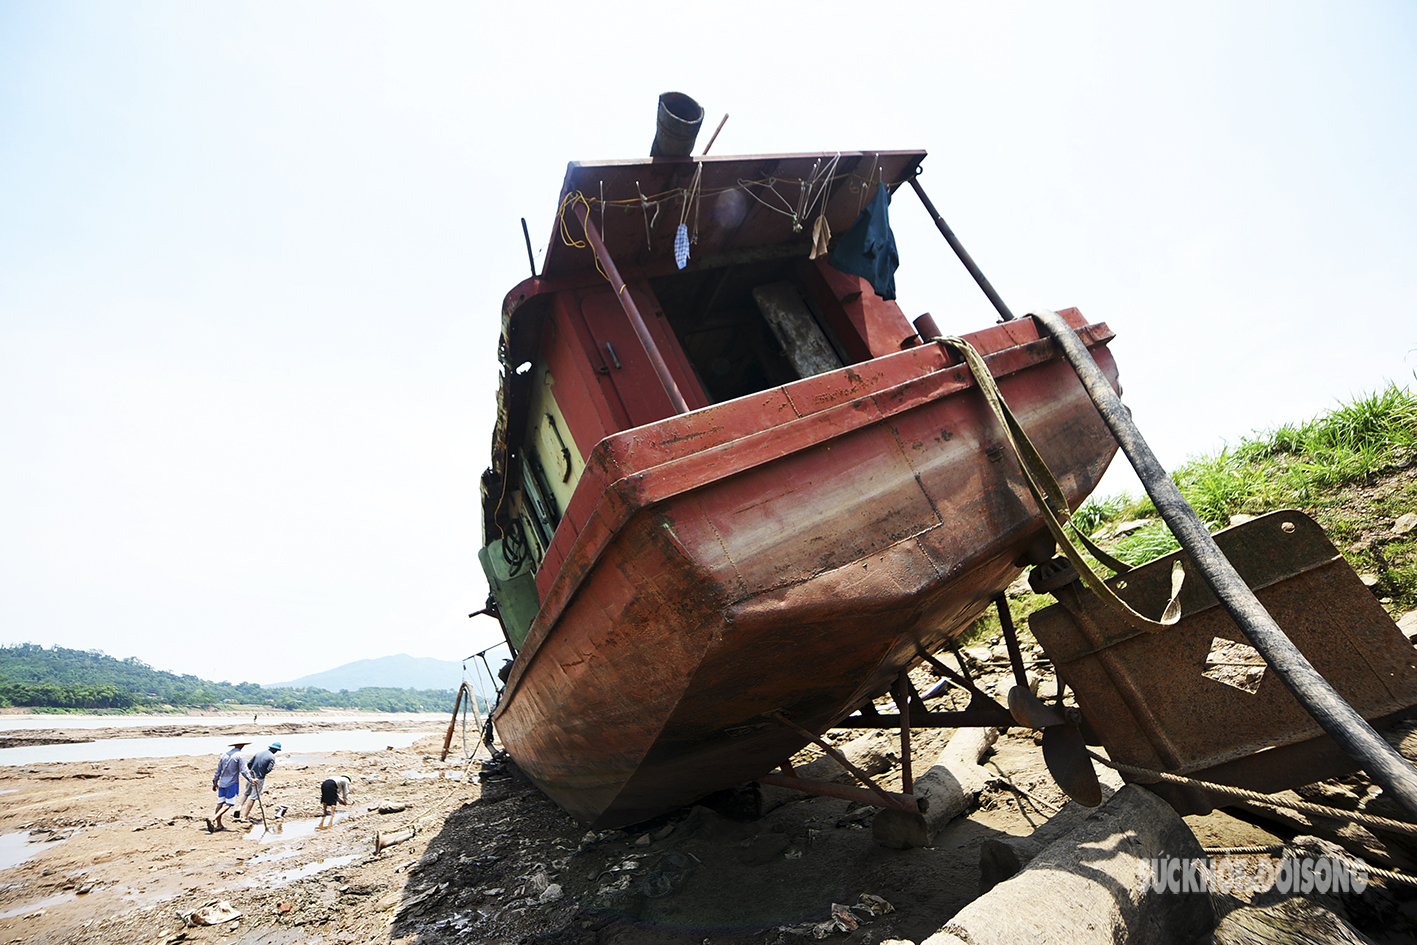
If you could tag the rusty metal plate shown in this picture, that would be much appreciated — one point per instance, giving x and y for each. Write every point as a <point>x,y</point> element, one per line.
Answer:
<point>1187,699</point>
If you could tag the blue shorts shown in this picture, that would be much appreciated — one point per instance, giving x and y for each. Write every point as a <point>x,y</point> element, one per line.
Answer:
<point>227,794</point>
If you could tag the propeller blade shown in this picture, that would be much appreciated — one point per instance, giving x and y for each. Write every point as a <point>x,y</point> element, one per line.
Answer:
<point>1028,709</point>
<point>1066,756</point>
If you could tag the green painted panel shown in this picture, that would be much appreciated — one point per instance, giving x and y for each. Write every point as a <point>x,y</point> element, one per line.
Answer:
<point>515,594</point>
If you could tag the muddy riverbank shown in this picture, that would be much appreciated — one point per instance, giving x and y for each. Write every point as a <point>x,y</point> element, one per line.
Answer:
<point>117,851</point>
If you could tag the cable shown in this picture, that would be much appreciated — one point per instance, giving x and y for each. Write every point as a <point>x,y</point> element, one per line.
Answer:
<point>1225,790</point>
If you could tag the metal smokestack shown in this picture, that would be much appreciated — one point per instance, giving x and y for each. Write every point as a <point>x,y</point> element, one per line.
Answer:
<point>678,125</point>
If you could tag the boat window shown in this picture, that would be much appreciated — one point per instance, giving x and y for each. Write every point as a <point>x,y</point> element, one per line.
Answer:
<point>747,327</point>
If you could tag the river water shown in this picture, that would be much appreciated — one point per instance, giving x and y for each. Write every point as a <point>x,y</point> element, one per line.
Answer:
<point>319,740</point>
<point>31,721</point>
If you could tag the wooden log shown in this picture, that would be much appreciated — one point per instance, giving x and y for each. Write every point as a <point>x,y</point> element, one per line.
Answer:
<point>873,752</point>
<point>384,840</point>
<point>1089,888</point>
<point>953,783</point>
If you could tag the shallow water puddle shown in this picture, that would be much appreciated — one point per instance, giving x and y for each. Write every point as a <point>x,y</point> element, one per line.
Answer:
<point>15,848</point>
<point>285,877</point>
<point>274,855</point>
<point>38,904</point>
<point>280,831</point>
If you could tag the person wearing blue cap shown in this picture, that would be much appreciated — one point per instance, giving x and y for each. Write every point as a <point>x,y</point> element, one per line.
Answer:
<point>261,765</point>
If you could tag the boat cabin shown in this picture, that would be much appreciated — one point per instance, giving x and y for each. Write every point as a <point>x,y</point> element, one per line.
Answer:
<point>614,333</point>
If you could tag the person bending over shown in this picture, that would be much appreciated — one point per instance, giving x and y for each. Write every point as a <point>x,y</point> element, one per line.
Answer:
<point>334,791</point>
<point>261,765</point>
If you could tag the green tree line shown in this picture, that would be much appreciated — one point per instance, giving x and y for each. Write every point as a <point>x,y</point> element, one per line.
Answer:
<point>59,678</point>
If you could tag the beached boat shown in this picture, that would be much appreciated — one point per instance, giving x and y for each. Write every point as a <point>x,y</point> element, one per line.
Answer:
<point>730,502</point>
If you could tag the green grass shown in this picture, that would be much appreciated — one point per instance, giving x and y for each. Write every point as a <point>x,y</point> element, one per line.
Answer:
<point>1337,467</point>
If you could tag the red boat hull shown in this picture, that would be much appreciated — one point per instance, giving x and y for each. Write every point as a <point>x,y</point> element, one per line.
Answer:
<point>786,552</point>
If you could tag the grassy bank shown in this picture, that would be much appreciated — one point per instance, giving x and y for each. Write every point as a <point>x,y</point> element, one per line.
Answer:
<point>1353,470</point>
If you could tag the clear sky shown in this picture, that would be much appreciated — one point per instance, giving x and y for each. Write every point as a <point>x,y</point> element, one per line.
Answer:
<point>252,257</point>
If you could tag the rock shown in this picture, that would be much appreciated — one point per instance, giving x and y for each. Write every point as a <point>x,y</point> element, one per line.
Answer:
<point>1407,623</point>
<point>362,889</point>
<point>1241,518</point>
<point>551,893</point>
<point>1297,921</point>
<point>1369,579</point>
<point>980,654</point>
<point>537,884</point>
<point>1405,523</point>
<point>1089,886</point>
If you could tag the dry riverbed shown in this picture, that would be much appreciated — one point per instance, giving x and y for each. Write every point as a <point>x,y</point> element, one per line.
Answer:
<point>121,855</point>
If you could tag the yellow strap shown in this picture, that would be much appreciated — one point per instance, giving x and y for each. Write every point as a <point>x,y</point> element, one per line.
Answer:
<point>1116,565</point>
<point>1051,501</point>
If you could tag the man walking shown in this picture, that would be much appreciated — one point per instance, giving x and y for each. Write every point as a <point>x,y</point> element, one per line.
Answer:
<point>261,765</point>
<point>230,769</point>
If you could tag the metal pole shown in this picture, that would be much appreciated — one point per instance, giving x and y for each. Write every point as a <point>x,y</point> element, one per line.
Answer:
<point>628,304</point>
<point>962,253</point>
<point>531,260</point>
<point>901,694</point>
<point>1335,716</point>
<point>889,800</point>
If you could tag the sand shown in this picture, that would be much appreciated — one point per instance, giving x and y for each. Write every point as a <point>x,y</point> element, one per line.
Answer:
<point>126,856</point>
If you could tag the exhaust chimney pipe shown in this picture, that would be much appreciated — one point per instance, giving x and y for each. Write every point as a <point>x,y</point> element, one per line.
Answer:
<point>679,120</point>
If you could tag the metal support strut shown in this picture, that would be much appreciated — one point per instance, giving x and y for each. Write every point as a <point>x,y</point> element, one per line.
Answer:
<point>873,793</point>
<point>637,323</point>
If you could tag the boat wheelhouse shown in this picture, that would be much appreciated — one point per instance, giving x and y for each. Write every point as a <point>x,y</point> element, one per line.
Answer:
<point>732,501</point>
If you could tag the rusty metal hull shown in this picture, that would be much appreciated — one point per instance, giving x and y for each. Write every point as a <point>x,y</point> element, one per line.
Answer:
<point>786,552</point>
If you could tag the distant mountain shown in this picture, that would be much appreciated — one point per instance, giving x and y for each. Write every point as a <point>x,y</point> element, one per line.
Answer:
<point>387,672</point>
<point>31,675</point>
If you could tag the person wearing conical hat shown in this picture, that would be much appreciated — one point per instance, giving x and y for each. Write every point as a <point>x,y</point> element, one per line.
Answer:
<point>230,769</point>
